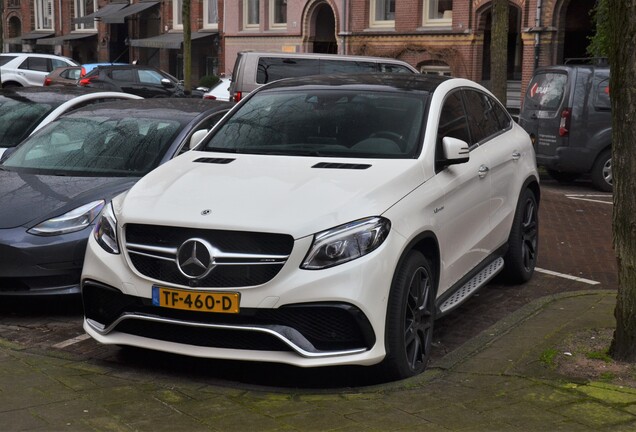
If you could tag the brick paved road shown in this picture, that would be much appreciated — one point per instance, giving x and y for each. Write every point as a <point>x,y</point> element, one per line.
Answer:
<point>575,239</point>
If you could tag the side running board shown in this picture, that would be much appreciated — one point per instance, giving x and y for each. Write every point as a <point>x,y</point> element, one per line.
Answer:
<point>469,288</point>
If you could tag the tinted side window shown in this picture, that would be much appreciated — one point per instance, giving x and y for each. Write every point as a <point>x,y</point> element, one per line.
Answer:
<point>36,64</point>
<point>338,66</point>
<point>502,115</point>
<point>602,96</point>
<point>122,75</point>
<point>5,59</point>
<point>394,68</point>
<point>148,76</point>
<point>482,120</point>
<point>58,63</point>
<point>452,122</point>
<point>273,68</point>
<point>546,91</point>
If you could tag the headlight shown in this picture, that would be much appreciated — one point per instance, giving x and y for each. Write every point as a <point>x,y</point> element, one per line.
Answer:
<point>346,242</point>
<point>75,220</point>
<point>106,230</point>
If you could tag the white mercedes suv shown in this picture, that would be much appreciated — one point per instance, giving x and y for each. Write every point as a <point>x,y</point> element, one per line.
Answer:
<point>324,221</point>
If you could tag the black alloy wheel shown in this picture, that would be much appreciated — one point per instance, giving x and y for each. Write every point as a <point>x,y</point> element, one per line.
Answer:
<point>410,317</point>
<point>523,242</point>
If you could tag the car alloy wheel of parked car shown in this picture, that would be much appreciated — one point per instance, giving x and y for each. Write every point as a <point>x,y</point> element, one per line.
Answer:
<point>326,220</point>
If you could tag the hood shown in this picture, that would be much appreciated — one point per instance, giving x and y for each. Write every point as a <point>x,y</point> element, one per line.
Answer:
<point>278,194</point>
<point>27,199</point>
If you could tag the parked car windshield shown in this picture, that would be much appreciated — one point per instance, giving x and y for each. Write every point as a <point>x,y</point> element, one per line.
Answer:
<point>18,118</point>
<point>95,147</point>
<point>337,123</point>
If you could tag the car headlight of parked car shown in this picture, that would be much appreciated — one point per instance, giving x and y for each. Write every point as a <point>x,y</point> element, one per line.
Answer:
<point>346,242</point>
<point>106,230</point>
<point>75,220</point>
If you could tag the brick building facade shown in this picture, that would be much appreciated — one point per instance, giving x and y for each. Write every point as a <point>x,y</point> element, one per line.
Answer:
<point>437,36</point>
<point>145,31</point>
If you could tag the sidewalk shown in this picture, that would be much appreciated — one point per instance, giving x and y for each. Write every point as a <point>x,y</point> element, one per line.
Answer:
<point>495,382</point>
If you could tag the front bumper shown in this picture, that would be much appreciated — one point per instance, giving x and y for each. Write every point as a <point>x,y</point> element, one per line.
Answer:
<point>306,318</point>
<point>38,265</point>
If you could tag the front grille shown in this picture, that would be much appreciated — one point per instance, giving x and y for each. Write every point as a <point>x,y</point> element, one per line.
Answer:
<point>328,326</point>
<point>227,273</point>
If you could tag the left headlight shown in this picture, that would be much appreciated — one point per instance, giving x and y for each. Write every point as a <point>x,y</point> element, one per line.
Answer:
<point>75,220</point>
<point>346,242</point>
<point>105,231</point>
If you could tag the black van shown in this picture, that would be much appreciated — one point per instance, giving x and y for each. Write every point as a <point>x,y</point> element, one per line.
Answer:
<point>566,111</point>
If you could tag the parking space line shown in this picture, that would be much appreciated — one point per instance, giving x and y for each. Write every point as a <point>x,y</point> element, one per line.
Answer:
<point>71,341</point>
<point>567,276</point>
<point>580,198</point>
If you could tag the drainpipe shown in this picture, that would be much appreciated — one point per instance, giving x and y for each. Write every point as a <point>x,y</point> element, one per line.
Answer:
<point>537,35</point>
<point>343,26</point>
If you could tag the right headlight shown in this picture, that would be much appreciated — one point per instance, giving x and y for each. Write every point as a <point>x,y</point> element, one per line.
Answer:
<point>346,242</point>
<point>106,230</point>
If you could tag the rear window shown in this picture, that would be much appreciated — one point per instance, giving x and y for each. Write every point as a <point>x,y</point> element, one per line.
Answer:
<point>5,59</point>
<point>546,91</point>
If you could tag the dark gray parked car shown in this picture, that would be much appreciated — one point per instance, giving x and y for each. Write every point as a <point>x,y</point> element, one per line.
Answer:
<point>54,184</point>
<point>567,113</point>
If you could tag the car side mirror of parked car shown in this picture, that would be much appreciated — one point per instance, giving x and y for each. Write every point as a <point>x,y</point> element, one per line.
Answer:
<point>7,152</point>
<point>167,83</point>
<point>455,151</point>
<point>197,137</point>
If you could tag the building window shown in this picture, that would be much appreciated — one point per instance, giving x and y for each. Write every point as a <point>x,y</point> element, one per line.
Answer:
<point>382,13</point>
<point>177,22</point>
<point>210,14</point>
<point>438,12</point>
<point>13,3</point>
<point>44,15</point>
<point>278,14</point>
<point>83,8</point>
<point>251,14</point>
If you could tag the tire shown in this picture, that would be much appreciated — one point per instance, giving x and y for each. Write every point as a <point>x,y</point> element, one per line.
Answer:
<point>602,172</point>
<point>11,85</point>
<point>563,177</point>
<point>410,316</point>
<point>523,242</point>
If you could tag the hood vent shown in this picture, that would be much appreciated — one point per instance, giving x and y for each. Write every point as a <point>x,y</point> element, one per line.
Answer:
<point>220,161</point>
<point>332,165</point>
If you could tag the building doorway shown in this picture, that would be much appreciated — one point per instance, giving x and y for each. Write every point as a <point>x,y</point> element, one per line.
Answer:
<point>322,29</point>
<point>578,28</point>
<point>515,52</point>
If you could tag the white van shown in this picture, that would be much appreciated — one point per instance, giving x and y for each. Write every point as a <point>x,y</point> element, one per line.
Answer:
<point>253,69</point>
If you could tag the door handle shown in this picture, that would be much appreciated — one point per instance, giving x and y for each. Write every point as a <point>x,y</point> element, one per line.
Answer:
<point>483,171</point>
<point>516,155</point>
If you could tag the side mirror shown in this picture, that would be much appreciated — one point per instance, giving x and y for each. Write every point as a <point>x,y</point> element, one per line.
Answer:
<point>197,137</point>
<point>455,151</point>
<point>167,83</point>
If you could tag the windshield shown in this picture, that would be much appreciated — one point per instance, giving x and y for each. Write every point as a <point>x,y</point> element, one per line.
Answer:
<point>100,147</point>
<point>18,118</point>
<point>336,123</point>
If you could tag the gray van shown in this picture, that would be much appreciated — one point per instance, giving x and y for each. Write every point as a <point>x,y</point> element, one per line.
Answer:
<point>254,69</point>
<point>566,111</point>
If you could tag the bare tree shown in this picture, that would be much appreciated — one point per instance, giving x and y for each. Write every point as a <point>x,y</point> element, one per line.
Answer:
<point>499,50</point>
<point>622,56</point>
<point>187,46</point>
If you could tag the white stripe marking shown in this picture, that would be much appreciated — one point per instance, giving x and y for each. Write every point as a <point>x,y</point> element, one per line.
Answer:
<point>567,276</point>
<point>578,197</point>
<point>72,341</point>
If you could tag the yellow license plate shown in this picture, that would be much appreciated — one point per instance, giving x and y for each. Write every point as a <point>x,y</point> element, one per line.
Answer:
<point>199,301</point>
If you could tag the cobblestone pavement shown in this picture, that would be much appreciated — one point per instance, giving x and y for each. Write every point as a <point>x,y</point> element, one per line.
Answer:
<point>575,242</point>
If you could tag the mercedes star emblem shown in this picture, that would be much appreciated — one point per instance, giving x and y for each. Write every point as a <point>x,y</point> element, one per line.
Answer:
<point>195,259</point>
